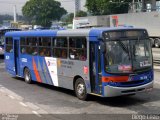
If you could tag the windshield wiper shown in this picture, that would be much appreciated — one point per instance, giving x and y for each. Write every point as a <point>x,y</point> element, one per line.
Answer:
<point>124,48</point>
<point>142,69</point>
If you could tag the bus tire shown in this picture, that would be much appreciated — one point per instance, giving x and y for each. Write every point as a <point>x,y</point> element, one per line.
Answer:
<point>80,89</point>
<point>27,76</point>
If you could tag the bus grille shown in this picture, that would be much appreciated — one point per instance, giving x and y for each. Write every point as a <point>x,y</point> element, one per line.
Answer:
<point>130,83</point>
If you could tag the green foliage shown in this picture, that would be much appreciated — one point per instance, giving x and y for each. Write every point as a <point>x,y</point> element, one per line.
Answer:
<point>106,7</point>
<point>81,14</point>
<point>68,19</point>
<point>43,12</point>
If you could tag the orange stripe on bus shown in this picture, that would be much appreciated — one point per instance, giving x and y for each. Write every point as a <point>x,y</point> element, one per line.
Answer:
<point>38,78</point>
<point>115,79</point>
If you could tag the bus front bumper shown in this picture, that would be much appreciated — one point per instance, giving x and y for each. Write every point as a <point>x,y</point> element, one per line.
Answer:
<point>110,91</point>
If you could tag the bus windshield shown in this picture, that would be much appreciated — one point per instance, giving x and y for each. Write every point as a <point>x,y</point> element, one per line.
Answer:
<point>127,56</point>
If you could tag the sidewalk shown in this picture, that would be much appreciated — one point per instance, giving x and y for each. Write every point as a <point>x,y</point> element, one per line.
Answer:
<point>13,107</point>
<point>9,105</point>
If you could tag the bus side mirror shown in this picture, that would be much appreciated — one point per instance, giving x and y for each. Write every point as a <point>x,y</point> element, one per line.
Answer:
<point>103,47</point>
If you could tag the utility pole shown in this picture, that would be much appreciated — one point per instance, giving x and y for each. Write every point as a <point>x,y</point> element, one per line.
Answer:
<point>15,13</point>
<point>76,7</point>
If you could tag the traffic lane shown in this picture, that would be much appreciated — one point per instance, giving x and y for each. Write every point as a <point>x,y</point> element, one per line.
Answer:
<point>63,101</point>
<point>156,53</point>
<point>156,50</point>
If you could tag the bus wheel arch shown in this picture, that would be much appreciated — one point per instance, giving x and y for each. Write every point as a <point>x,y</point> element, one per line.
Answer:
<point>80,88</point>
<point>27,75</point>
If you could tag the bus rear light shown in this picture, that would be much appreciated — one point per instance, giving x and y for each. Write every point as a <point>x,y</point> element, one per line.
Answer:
<point>85,70</point>
<point>115,79</point>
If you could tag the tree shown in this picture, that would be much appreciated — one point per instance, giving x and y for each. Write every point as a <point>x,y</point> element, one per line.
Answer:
<point>68,18</point>
<point>81,14</point>
<point>43,12</point>
<point>106,7</point>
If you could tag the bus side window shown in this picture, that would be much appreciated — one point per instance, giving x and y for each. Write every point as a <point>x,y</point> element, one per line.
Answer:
<point>60,47</point>
<point>9,45</point>
<point>23,45</point>
<point>45,46</point>
<point>77,48</point>
<point>29,45</point>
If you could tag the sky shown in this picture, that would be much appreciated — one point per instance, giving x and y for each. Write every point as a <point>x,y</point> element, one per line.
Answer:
<point>6,6</point>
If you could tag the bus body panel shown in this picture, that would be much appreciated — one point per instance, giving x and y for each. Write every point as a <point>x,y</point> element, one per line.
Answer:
<point>10,64</point>
<point>26,62</point>
<point>67,67</point>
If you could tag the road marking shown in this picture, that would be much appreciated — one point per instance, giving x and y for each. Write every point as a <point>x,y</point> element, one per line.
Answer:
<point>33,106</point>
<point>36,113</point>
<point>23,104</point>
<point>11,97</point>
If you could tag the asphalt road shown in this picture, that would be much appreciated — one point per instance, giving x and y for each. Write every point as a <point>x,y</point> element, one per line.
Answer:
<point>156,53</point>
<point>62,101</point>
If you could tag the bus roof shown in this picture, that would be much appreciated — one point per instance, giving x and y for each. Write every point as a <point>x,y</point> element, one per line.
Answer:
<point>31,33</point>
<point>72,32</point>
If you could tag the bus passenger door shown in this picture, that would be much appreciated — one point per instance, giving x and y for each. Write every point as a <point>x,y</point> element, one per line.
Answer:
<point>16,56</point>
<point>95,69</point>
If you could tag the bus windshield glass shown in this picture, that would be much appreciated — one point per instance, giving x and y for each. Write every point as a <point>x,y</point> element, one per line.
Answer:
<point>128,55</point>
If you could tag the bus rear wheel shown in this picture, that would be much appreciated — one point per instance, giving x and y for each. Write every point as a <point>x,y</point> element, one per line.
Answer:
<point>80,89</point>
<point>27,76</point>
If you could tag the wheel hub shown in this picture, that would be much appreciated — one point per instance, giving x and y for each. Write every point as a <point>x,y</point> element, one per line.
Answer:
<point>80,89</point>
<point>27,76</point>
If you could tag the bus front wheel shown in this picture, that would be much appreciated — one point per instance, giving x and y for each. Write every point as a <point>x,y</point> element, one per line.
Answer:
<point>27,76</point>
<point>80,89</point>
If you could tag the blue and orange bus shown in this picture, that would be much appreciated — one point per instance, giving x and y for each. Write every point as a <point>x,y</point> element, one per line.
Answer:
<point>106,62</point>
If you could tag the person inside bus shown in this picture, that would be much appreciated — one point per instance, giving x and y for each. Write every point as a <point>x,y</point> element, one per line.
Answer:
<point>11,50</point>
<point>48,52</point>
<point>73,53</point>
<point>64,54</point>
<point>77,55</point>
<point>23,50</point>
<point>42,53</point>
<point>35,51</point>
